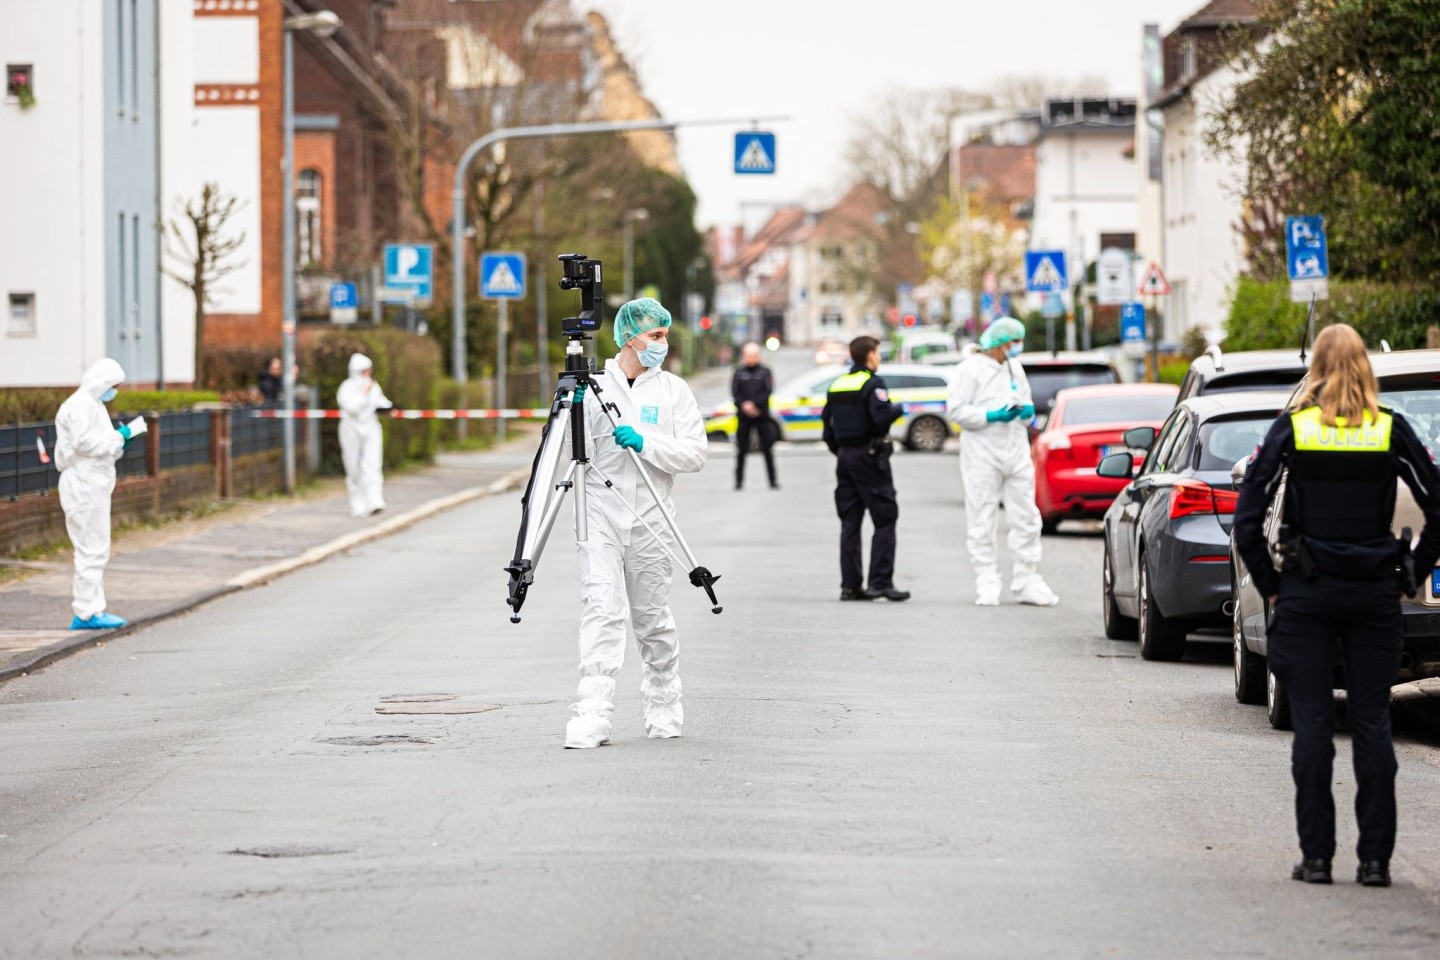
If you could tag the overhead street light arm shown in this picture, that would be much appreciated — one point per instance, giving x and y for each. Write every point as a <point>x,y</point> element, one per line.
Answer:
<point>457,219</point>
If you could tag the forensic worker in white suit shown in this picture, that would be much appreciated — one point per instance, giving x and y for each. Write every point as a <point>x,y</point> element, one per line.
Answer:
<point>87,445</point>
<point>362,443</point>
<point>990,400</point>
<point>625,571</point>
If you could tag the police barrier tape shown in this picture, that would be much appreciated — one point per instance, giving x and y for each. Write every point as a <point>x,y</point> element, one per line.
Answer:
<point>522,413</point>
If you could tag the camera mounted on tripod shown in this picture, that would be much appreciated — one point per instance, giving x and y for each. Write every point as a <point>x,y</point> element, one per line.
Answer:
<point>583,274</point>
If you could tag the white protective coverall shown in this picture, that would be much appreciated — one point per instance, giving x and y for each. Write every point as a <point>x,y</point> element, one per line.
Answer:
<point>624,572</point>
<point>362,443</point>
<point>994,463</point>
<point>86,448</point>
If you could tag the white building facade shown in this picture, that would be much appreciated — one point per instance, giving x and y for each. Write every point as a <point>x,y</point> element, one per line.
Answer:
<point>1086,188</point>
<point>80,258</point>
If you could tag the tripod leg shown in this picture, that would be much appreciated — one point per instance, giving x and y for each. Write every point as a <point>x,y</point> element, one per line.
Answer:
<point>552,512</point>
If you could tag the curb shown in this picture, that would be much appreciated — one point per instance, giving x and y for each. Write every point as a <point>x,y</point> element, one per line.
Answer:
<point>29,663</point>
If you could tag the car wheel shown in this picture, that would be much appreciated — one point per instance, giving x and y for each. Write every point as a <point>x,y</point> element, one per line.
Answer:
<point>928,434</point>
<point>1277,702</point>
<point>1161,638</point>
<point>1250,669</point>
<point>1117,625</point>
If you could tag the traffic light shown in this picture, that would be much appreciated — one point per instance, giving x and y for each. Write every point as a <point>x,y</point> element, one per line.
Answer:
<point>909,319</point>
<point>706,323</point>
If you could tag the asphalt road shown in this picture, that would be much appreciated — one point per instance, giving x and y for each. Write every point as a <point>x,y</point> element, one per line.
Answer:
<point>861,780</point>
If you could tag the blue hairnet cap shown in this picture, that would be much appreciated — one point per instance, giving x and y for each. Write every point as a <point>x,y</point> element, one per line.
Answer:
<point>1001,332</point>
<point>638,316</point>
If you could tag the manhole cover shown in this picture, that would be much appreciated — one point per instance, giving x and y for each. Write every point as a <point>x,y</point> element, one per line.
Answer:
<point>379,740</point>
<point>417,698</point>
<point>391,709</point>
<point>281,852</point>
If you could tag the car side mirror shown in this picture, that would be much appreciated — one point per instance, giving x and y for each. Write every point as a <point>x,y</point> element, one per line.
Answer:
<point>1117,466</point>
<point>1237,472</point>
<point>1139,438</point>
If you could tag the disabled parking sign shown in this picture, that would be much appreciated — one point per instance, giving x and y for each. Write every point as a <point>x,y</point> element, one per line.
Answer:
<point>1307,257</point>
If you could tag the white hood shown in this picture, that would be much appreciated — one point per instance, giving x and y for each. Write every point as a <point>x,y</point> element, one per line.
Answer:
<point>359,363</point>
<point>101,376</point>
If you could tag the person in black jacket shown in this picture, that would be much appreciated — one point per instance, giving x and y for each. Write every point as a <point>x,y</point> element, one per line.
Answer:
<point>1339,454</point>
<point>751,387</point>
<point>856,419</point>
<point>271,383</point>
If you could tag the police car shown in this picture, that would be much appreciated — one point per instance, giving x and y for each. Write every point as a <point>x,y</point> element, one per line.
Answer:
<point>923,392</point>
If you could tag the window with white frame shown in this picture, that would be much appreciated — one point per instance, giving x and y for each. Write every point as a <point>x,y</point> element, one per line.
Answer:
<point>20,320</point>
<point>307,217</point>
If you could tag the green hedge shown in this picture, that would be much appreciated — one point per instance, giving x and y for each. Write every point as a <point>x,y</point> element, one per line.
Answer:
<point>35,404</point>
<point>1262,316</point>
<point>408,369</point>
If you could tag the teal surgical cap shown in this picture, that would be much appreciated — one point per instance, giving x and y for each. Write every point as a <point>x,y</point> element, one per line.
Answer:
<point>1001,332</point>
<point>638,316</point>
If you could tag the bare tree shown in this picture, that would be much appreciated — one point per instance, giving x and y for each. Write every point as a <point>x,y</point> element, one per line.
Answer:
<point>199,254</point>
<point>1029,91</point>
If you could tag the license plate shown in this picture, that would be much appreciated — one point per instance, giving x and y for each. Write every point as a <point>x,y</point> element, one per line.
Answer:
<point>1110,448</point>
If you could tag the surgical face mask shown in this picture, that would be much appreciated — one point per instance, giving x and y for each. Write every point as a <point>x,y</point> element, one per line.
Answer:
<point>108,395</point>
<point>654,354</point>
<point>1014,350</point>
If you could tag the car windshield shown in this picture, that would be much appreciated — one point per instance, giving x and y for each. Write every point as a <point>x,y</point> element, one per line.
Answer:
<point>1125,408</point>
<point>1418,398</point>
<point>1222,442</point>
<point>922,350</point>
<point>1048,380</point>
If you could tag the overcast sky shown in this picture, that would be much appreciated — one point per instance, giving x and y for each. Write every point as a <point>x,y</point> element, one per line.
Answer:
<point>819,61</point>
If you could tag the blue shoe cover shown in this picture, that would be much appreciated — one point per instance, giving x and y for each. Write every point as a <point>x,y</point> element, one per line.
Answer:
<point>101,621</point>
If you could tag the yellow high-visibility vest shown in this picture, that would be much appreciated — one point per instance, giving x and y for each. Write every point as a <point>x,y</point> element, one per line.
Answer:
<point>1314,436</point>
<point>851,382</point>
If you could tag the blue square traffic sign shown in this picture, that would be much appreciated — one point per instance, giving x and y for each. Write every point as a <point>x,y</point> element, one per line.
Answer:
<point>754,152</point>
<point>410,267</point>
<point>1045,271</point>
<point>1132,322</point>
<point>1306,252</point>
<point>502,275</point>
<point>343,296</point>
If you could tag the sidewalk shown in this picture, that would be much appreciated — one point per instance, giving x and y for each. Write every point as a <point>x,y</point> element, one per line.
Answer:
<point>157,574</point>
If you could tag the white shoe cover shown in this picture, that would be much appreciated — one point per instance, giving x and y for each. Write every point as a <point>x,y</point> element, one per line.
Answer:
<point>590,727</point>
<point>987,594</point>
<point>583,733</point>
<point>664,713</point>
<point>1035,592</point>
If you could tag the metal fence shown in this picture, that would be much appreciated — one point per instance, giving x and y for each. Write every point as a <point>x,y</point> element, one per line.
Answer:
<point>250,434</point>
<point>184,441</point>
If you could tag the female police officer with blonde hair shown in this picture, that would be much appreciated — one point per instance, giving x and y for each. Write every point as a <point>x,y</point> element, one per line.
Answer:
<point>1338,582</point>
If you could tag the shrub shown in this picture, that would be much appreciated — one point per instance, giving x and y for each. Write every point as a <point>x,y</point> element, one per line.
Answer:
<point>1262,316</point>
<point>36,404</point>
<point>233,368</point>
<point>407,367</point>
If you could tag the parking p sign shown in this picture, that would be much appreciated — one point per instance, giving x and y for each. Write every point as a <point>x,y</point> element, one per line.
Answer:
<point>1308,258</point>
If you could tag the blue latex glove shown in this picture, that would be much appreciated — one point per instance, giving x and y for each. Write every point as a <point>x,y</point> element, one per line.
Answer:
<point>628,437</point>
<point>578,395</point>
<point>1002,415</point>
<point>124,431</point>
<point>1027,412</point>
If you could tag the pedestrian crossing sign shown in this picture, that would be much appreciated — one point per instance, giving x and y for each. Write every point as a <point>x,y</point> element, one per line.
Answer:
<point>502,275</point>
<point>1045,271</point>
<point>754,152</point>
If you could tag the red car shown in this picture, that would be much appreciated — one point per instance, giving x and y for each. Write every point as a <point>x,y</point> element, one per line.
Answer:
<point>1085,425</point>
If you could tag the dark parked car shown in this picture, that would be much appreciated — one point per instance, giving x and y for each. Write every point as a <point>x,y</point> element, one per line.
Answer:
<point>1049,373</point>
<point>1250,370</point>
<point>1410,385</point>
<point>1166,568</point>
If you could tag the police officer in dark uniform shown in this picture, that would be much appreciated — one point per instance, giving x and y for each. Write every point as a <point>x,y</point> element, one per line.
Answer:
<point>857,419</point>
<point>750,388</point>
<point>1340,580</point>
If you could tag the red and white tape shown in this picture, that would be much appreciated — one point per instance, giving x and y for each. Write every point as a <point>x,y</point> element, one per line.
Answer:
<point>522,413</point>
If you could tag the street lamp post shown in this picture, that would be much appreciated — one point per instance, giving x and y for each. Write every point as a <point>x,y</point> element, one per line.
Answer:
<point>639,213</point>
<point>323,23</point>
